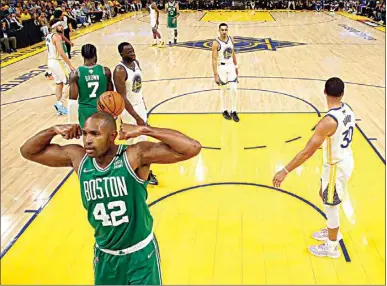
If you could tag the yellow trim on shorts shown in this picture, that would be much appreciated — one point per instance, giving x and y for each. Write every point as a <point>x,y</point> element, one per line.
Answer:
<point>331,184</point>
<point>63,68</point>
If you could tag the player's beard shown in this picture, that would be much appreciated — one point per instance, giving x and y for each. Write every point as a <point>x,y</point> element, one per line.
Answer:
<point>128,59</point>
<point>59,32</point>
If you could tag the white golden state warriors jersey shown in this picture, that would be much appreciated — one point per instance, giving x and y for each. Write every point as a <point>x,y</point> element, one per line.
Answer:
<point>133,84</point>
<point>338,146</point>
<point>225,51</point>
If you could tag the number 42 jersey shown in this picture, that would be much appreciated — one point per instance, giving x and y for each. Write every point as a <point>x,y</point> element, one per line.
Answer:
<point>115,200</point>
<point>338,146</point>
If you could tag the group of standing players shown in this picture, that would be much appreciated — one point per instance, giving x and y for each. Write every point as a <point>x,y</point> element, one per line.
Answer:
<point>113,178</point>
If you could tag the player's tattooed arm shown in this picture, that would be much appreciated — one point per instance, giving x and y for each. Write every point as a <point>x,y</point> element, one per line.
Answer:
<point>215,46</point>
<point>108,75</point>
<point>119,78</point>
<point>173,146</point>
<point>39,148</point>
<point>325,128</point>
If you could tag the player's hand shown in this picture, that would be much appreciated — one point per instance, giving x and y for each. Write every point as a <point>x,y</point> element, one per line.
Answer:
<point>72,44</point>
<point>216,79</point>
<point>140,122</point>
<point>174,21</point>
<point>279,178</point>
<point>72,68</point>
<point>128,131</point>
<point>68,131</point>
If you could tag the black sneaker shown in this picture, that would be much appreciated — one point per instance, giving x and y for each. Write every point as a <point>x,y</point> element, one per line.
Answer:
<point>234,116</point>
<point>152,179</point>
<point>226,115</point>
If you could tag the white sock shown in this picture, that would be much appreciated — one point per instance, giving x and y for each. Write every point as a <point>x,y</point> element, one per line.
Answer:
<point>155,41</point>
<point>222,97</point>
<point>59,102</point>
<point>332,244</point>
<point>234,98</point>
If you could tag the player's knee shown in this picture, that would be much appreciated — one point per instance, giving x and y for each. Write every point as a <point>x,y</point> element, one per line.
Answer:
<point>332,213</point>
<point>233,86</point>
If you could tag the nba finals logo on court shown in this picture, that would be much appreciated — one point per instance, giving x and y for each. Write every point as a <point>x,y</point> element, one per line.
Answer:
<point>244,44</point>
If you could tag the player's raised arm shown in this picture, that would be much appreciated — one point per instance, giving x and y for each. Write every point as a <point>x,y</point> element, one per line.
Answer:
<point>108,75</point>
<point>215,47</point>
<point>174,146</point>
<point>39,148</point>
<point>326,127</point>
<point>119,77</point>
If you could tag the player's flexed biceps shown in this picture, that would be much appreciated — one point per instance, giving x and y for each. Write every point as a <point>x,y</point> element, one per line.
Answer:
<point>113,184</point>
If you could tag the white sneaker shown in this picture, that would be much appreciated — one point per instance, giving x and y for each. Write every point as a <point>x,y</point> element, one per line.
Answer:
<point>323,250</point>
<point>322,235</point>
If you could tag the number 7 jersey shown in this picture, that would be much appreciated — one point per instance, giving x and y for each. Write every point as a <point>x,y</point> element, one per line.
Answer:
<point>92,83</point>
<point>115,200</point>
<point>338,146</point>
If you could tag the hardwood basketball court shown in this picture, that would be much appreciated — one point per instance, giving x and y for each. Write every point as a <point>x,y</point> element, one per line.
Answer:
<point>217,218</point>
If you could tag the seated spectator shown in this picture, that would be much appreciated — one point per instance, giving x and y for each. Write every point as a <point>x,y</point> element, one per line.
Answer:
<point>80,16</point>
<point>15,22</point>
<point>6,40</point>
<point>25,15</point>
<point>7,20</point>
<point>44,24</point>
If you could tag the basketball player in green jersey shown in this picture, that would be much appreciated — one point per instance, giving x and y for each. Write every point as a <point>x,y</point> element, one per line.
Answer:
<point>172,9</point>
<point>87,83</point>
<point>113,190</point>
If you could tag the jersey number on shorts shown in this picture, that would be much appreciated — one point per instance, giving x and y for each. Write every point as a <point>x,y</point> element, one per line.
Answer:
<point>112,218</point>
<point>348,134</point>
<point>95,86</point>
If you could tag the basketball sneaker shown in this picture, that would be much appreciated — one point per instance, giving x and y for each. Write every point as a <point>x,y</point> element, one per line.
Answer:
<point>226,115</point>
<point>328,248</point>
<point>152,179</point>
<point>322,235</point>
<point>161,44</point>
<point>60,109</point>
<point>235,116</point>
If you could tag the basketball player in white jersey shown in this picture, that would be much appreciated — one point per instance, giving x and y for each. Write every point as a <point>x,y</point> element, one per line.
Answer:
<point>58,63</point>
<point>335,133</point>
<point>225,68</point>
<point>128,82</point>
<point>154,13</point>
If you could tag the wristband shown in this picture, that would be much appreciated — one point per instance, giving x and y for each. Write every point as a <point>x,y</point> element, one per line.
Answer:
<point>287,172</point>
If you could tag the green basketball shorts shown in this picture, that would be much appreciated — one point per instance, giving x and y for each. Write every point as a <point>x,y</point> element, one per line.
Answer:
<point>138,268</point>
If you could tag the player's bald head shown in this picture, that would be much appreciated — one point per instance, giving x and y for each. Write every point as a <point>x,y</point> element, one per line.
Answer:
<point>106,120</point>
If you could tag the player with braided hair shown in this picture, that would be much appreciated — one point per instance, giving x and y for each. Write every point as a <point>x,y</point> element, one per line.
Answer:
<point>87,83</point>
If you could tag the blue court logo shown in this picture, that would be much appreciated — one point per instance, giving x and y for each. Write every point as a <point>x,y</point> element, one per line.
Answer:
<point>244,44</point>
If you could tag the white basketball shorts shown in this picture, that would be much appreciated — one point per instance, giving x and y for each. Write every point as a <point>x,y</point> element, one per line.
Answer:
<point>334,181</point>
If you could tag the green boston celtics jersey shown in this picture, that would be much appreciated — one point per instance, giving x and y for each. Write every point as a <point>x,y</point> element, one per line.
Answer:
<point>115,200</point>
<point>92,83</point>
<point>172,12</point>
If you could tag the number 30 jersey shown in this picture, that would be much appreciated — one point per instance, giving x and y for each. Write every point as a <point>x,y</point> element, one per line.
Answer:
<point>92,83</point>
<point>115,200</point>
<point>338,146</point>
